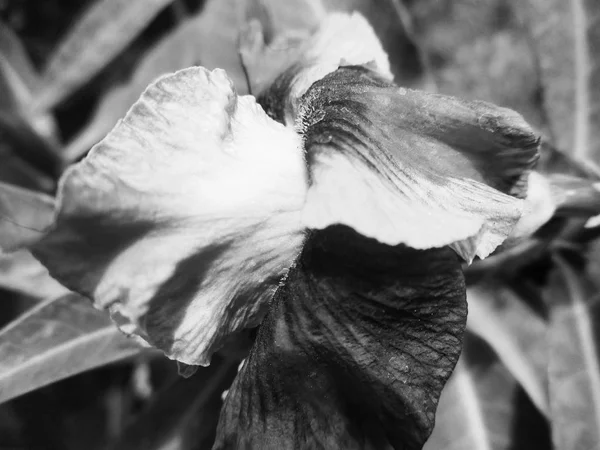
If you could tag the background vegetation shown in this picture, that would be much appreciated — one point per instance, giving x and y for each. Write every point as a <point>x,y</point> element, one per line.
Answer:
<point>529,377</point>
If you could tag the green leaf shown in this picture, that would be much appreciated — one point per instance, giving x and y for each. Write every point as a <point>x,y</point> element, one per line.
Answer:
<point>56,339</point>
<point>568,48</point>
<point>208,39</point>
<point>574,365</point>
<point>24,216</point>
<point>477,408</point>
<point>517,335</point>
<point>101,34</point>
<point>21,272</point>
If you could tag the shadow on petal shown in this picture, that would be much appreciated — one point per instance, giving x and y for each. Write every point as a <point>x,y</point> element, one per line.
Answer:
<point>183,220</point>
<point>354,352</point>
<point>410,167</point>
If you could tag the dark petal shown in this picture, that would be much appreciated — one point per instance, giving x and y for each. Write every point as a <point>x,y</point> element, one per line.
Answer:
<point>354,352</point>
<point>411,167</point>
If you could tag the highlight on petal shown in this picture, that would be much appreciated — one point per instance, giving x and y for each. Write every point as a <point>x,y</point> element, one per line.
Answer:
<point>341,40</point>
<point>354,352</point>
<point>408,167</point>
<point>183,219</point>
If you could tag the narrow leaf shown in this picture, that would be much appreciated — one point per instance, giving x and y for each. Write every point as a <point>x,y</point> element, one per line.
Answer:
<point>101,34</point>
<point>477,406</point>
<point>517,335</point>
<point>56,339</point>
<point>24,216</point>
<point>208,39</point>
<point>184,415</point>
<point>574,365</point>
<point>568,45</point>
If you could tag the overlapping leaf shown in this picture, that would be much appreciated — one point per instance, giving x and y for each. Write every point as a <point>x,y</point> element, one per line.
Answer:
<point>208,39</point>
<point>516,334</point>
<point>574,360</point>
<point>24,216</point>
<point>56,339</point>
<point>476,408</point>
<point>567,41</point>
<point>105,30</point>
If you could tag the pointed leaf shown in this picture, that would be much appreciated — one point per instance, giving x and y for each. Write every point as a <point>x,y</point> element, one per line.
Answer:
<point>101,34</point>
<point>517,335</point>
<point>21,272</point>
<point>574,364</point>
<point>24,216</point>
<point>208,39</point>
<point>568,45</point>
<point>56,339</point>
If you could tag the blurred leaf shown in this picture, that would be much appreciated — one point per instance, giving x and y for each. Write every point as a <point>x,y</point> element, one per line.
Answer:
<point>478,50</point>
<point>566,37</point>
<point>184,415</point>
<point>208,39</point>
<point>101,34</point>
<point>14,170</point>
<point>33,135</point>
<point>22,273</point>
<point>18,78</point>
<point>477,406</point>
<point>517,335</point>
<point>574,367</point>
<point>24,216</point>
<point>575,196</point>
<point>56,339</point>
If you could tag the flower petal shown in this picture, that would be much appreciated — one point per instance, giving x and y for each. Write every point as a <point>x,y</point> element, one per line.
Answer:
<point>354,351</point>
<point>409,167</point>
<point>184,218</point>
<point>341,40</point>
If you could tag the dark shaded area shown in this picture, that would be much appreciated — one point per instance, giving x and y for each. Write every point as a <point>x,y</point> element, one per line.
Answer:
<point>354,352</point>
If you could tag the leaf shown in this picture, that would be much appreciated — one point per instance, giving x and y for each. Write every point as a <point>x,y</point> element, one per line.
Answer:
<point>477,406</point>
<point>574,365</point>
<point>56,339</point>
<point>100,35</point>
<point>184,415</point>
<point>34,134</point>
<point>517,335</point>
<point>21,272</point>
<point>568,48</point>
<point>24,216</point>
<point>18,78</point>
<point>208,39</point>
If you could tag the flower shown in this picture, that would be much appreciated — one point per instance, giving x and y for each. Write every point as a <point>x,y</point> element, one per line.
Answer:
<point>335,216</point>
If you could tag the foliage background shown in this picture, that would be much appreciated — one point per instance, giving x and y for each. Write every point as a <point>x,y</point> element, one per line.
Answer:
<point>529,377</point>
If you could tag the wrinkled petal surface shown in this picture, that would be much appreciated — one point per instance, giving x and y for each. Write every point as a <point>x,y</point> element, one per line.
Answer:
<point>341,40</point>
<point>354,351</point>
<point>183,219</point>
<point>410,167</point>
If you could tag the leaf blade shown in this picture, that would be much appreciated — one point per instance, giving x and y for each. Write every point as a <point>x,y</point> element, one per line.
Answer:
<point>566,41</point>
<point>45,345</point>
<point>574,365</point>
<point>24,216</point>
<point>106,29</point>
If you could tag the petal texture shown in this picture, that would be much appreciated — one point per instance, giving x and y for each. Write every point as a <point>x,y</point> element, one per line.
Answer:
<point>341,40</point>
<point>410,167</point>
<point>354,351</point>
<point>183,219</point>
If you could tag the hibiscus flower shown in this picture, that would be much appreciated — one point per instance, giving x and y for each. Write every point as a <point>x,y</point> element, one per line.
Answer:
<point>335,213</point>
